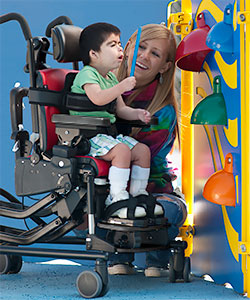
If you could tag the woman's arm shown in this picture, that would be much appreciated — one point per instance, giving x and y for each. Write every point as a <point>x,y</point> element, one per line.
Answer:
<point>160,137</point>
<point>102,97</point>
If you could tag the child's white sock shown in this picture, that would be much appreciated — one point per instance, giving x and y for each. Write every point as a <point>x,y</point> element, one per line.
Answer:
<point>139,180</point>
<point>138,184</point>
<point>118,179</point>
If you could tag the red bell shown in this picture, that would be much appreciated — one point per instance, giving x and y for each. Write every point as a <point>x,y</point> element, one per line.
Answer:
<point>193,50</point>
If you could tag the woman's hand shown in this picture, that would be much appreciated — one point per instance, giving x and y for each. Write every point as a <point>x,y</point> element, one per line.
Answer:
<point>143,115</point>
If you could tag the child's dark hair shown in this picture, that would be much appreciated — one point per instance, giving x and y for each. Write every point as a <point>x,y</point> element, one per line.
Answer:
<point>93,36</point>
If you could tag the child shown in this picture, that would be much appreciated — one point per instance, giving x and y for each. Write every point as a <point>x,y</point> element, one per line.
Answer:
<point>102,52</point>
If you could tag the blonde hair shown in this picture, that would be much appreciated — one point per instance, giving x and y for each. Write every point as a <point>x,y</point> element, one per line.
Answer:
<point>165,91</point>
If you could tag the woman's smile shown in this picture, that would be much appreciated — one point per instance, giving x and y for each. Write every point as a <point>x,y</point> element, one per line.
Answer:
<point>141,65</point>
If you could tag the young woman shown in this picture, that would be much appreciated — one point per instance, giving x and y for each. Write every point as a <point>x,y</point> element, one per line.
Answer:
<point>154,91</point>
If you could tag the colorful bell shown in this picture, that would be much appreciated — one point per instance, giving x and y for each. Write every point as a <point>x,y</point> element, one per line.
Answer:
<point>212,109</point>
<point>220,187</point>
<point>220,36</point>
<point>193,50</point>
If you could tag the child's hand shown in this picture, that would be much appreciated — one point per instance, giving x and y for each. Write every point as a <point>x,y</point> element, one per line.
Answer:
<point>144,115</point>
<point>128,84</point>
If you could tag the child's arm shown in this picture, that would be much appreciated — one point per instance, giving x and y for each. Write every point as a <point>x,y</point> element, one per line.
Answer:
<point>128,113</point>
<point>102,97</point>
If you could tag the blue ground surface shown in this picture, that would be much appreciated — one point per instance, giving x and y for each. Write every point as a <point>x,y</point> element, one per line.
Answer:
<point>42,281</point>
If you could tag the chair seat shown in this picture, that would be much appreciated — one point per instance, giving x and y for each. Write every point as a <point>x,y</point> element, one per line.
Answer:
<point>101,166</point>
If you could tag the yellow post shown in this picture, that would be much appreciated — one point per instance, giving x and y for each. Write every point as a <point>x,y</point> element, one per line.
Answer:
<point>244,21</point>
<point>187,141</point>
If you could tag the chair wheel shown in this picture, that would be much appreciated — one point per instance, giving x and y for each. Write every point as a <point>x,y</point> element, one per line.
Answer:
<point>89,284</point>
<point>187,269</point>
<point>5,263</point>
<point>172,272</point>
<point>104,291</point>
<point>16,264</point>
<point>10,264</point>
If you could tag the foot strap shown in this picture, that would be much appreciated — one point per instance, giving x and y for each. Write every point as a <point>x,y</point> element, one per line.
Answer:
<point>130,204</point>
<point>148,202</point>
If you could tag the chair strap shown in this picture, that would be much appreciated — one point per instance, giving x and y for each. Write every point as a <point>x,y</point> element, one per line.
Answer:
<point>130,203</point>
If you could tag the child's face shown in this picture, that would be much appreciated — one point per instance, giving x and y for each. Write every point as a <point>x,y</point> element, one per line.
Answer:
<point>111,53</point>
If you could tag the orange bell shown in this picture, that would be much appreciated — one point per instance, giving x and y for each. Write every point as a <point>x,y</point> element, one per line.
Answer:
<point>220,187</point>
<point>193,50</point>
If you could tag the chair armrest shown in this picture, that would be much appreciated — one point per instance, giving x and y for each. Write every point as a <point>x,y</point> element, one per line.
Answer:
<point>137,123</point>
<point>70,129</point>
<point>125,127</point>
<point>81,122</point>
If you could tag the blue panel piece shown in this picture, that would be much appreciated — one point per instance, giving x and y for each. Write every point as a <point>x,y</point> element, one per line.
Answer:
<point>218,229</point>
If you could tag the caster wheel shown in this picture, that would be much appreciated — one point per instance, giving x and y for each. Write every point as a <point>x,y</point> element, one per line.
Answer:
<point>89,284</point>
<point>187,269</point>
<point>172,272</point>
<point>104,291</point>
<point>5,264</point>
<point>16,264</point>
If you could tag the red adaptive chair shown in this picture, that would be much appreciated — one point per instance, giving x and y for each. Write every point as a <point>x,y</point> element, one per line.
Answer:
<point>53,162</point>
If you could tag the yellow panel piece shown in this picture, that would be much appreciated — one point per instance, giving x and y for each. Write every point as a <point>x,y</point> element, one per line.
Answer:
<point>235,16</point>
<point>243,17</point>
<point>237,188</point>
<point>244,248</point>
<point>232,132</point>
<point>211,146</point>
<point>212,8</point>
<point>245,139</point>
<point>187,138</point>
<point>217,139</point>
<point>208,72</point>
<point>201,92</point>
<point>232,235</point>
<point>228,72</point>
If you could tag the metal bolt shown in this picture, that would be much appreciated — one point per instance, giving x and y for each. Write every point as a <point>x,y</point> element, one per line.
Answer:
<point>243,248</point>
<point>242,17</point>
<point>61,164</point>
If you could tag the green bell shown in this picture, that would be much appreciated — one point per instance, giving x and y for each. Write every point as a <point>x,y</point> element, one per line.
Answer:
<point>212,109</point>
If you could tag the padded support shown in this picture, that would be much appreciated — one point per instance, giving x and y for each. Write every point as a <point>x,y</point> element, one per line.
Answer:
<point>66,43</point>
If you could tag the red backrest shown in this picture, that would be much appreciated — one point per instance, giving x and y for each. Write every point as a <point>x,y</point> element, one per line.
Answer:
<point>53,79</point>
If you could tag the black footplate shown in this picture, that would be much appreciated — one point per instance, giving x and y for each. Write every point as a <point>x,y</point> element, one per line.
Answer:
<point>142,223</point>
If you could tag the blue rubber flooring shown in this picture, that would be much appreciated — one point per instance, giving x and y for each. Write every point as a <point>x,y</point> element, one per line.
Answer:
<point>42,281</point>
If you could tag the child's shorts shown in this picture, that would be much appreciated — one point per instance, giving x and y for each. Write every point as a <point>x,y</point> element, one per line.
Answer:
<point>101,144</point>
